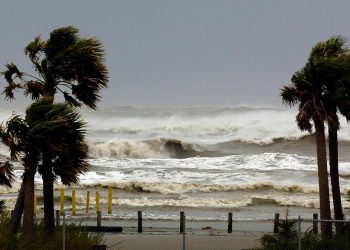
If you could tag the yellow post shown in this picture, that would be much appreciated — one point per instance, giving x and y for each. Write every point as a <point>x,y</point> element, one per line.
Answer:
<point>73,202</point>
<point>97,201</point>
<point>35,204</point>
<point>62,201</point>
<point>110,200</point>
<point>87,202</point>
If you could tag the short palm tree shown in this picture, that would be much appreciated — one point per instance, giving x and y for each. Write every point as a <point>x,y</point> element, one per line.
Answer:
<point>307,92</point>
<point>66,64</point>
<point>59,133</point>
<point>54,128</point>
<point>15,136</point>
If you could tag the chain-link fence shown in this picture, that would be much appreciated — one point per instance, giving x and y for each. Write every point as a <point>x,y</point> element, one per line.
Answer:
<point>186,231</point>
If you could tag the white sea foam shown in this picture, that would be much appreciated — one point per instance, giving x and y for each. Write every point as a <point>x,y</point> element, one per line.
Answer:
<point>133,151</point>
<point>128,149</point>
<point>187,202</point>
<point>181,188</point>
<point>196,125</point>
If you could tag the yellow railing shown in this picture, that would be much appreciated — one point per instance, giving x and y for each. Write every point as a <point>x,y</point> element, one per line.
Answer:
<point>74,201</point>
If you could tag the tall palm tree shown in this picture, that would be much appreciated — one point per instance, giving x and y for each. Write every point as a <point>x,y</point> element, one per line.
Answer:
<point>66,64</point>
<point>307,92</point>
<point>331,58</point>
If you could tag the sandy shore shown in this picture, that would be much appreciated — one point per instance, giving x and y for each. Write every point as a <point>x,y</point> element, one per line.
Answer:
<point>161,242</point>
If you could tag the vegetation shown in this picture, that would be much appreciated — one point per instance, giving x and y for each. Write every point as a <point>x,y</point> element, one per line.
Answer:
<point>75,238</point>
<point>53,128</point>
<point>66,64</point>
<point>333,58</point>
<point>306,91</point>
<point>2,206</point>
<point>321,89</point>
<point>287,238</point>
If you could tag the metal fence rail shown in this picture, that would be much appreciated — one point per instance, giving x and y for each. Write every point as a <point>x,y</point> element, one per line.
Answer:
<point>186,232</point>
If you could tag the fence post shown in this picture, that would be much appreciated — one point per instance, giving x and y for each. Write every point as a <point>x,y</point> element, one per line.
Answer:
<point>97,202</point>
<point>87,202</point>
<point>299,233</point>
<point>110,200</point>
<point>276,223</point>
<point>315,224</point>
<point>35,202</point>
<point>73,202</point>
<point>99,218</point>
<point>182,216</point>
<point>64,231</point>
<point>58,218</point>
<point>184,231</point>
<point>139,221</point>
<point>62,201</point>
<point>229,228</point>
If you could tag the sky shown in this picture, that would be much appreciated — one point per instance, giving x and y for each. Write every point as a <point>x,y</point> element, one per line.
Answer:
<point>185,52</point>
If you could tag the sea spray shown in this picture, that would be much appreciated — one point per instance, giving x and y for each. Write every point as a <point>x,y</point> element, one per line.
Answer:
<point>197,159</point>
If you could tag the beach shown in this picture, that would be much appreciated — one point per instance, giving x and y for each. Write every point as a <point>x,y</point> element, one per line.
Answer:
<point>175,242</point>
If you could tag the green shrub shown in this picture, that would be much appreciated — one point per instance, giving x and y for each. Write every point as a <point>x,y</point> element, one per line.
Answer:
<point>287,239</point>
<point>75,238</point>
<point>2,206</point>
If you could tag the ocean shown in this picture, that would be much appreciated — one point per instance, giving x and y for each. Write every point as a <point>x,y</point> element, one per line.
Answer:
<point>251,161</point>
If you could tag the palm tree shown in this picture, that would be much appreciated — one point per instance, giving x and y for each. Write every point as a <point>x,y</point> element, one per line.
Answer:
<point>307,91</point>
<point>58,132</point>
<point>15,136</point>
<point>66,64</point>
<point>331,58</point>
<point>54,128</point>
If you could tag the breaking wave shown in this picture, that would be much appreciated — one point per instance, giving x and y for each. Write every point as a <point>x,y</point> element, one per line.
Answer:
<point>199,125</point>
<point>177,188</point>
<point>158,148</point>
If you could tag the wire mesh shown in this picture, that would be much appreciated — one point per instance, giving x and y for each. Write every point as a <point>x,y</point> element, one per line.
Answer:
<point>210,232</point>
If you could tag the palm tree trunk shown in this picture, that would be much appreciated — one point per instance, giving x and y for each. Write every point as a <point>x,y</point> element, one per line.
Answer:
<point>334,173</point>
<point>48,179</point>
<point>28,215</point>
<point>18,210</point>
<point>325,211</point>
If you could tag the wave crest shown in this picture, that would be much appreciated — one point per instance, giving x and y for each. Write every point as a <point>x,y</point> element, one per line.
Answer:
<point>180,188</point>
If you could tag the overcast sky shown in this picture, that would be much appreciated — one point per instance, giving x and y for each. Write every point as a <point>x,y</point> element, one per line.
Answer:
<point>184,52</point>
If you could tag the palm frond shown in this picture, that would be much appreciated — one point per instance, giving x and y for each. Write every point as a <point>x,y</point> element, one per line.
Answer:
<point>34,89</point>
<point>58,130</point>
<point>288,229</point>
<point>289,95</point>
<point>344,108</point>
<point>70,100</point>
<point>59,40</point>
<point>87,92</point>
<point>334,46</point>
<point>83,62</point>
<point>304,116</point>
<point>33,48</point>
<point>6,174</point>
<point>9,90</point>
<point>10,71</point>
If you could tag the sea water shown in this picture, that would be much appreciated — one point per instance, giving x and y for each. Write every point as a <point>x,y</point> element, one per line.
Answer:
<point>253,161</point>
